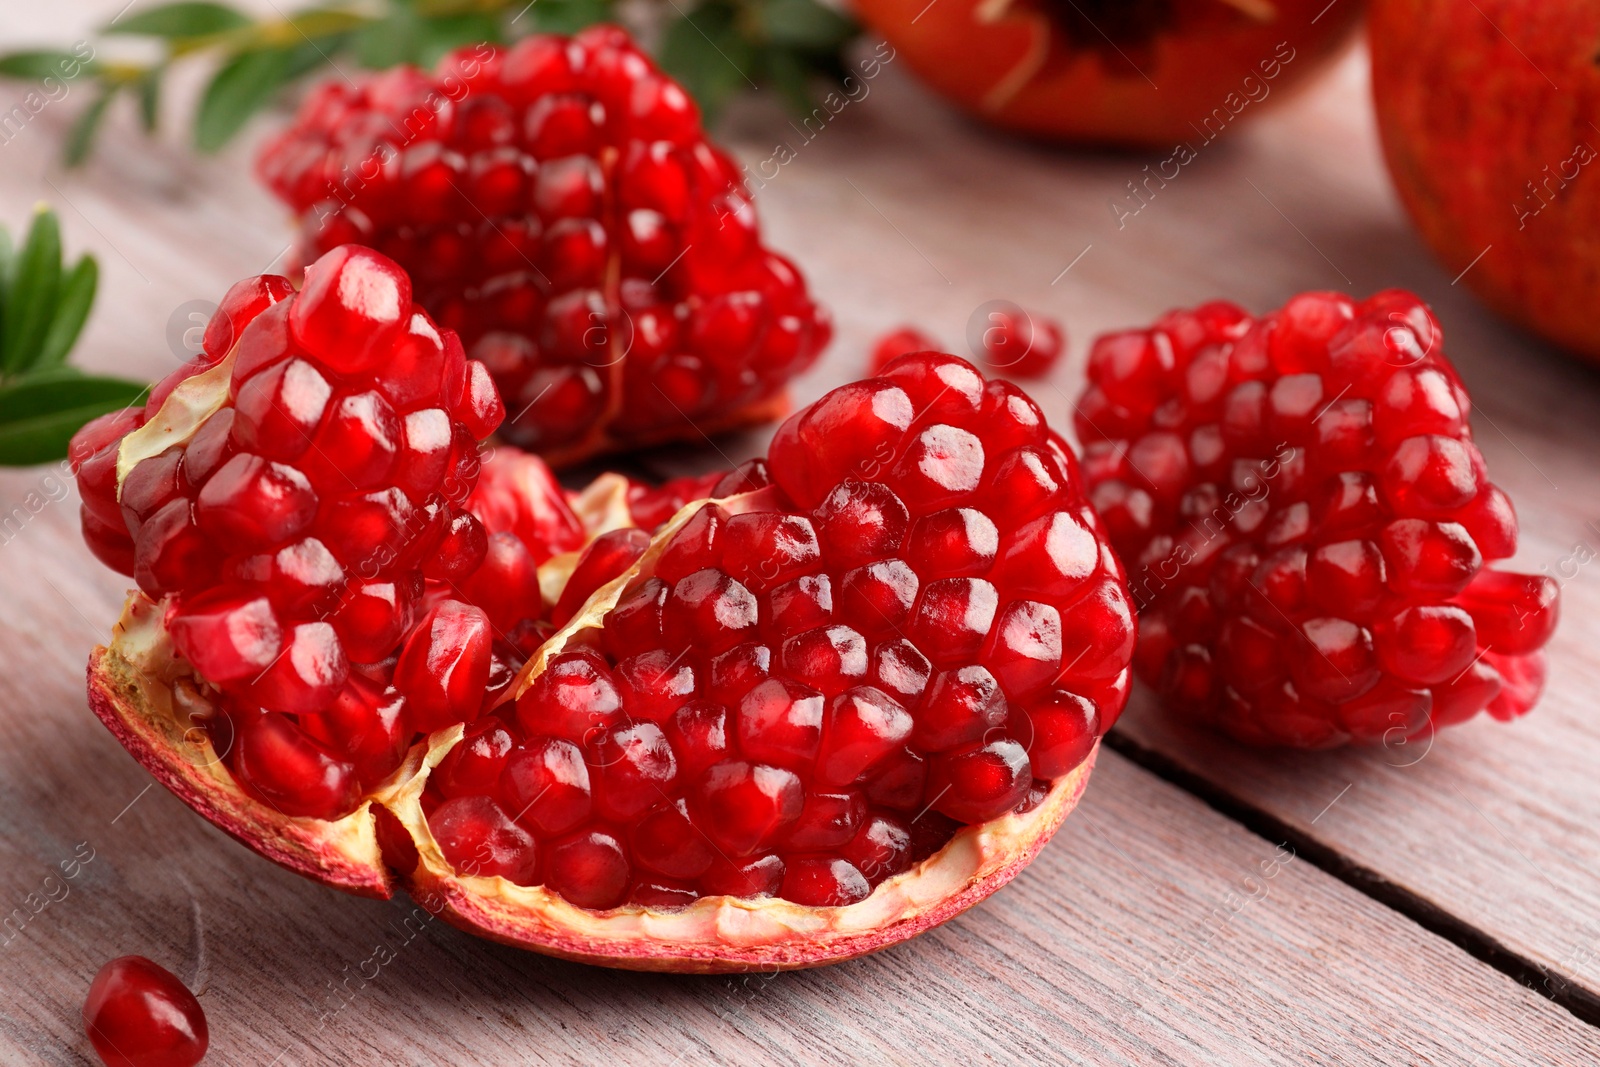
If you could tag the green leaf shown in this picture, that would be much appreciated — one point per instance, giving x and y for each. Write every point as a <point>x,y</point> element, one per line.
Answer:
<point>40,413</point>
<point>7,265</point>
<point>33,296</point>
<point>149,89</point>
<point>245,84</point>
<point>387,42</point>
<point>188,18</point>
<point>439,36</point>
<point>36,65</point>
<point>706,53</point>
<point>72,310</point>
<point>568,16</point>
<point>805,24</point>
<point>81,136</point>
<point>786,72</point>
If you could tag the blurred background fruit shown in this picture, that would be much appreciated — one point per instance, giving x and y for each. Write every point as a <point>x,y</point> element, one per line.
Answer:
<point>1488,118</point>
<point>1126,72</point>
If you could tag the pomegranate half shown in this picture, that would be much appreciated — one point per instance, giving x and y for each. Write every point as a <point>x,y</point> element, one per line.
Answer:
<point>829,701</point>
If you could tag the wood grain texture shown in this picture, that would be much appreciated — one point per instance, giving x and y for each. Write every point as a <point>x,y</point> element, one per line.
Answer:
<point>1146,934</point>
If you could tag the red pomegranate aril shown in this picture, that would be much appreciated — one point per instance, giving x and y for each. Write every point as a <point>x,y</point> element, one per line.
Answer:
<point>546,785</point>
<point>780,722</point>
<point>481,842</point>
<point>1513,614</point>
<point>1020,344</point>
<point>979,782</point>
<point>636,771</point>
<point>698,733</point>
<point>827,821</point>
<point>667,841</point>
<point>505,584</point>
<point>744,807</point>
<point>1061,730</point>
<point>228,638</point>
<point>243,302</point>
<point>138,1014</point>
<point>371,619</point>
<point>351,309</point>
<point>880,849</point>
<point>474,766</point>
<point>445,664</point>
<point>306,675</point>
<point>574,698</point>
<point>605,558</point>
<point>589,869</point>
<point>823,882</point>
<point>864,728</point>
<point>366,724</point>
<point>891,346</point>
<point>654,685</point>
<point>958,708</point>
<point>278,762</point>
<point>255,503</point>
<point>756,877</point>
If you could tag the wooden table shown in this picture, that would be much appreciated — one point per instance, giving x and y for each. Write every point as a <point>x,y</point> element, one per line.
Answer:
<point>1205,905</point>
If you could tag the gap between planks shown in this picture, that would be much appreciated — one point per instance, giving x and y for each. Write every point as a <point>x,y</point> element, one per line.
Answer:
<point>1583,1004</point>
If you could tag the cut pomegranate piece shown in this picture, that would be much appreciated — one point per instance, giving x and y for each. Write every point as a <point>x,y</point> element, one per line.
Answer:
<point>594,249</point>
<point>1308,520</point>
<point>774,697</point>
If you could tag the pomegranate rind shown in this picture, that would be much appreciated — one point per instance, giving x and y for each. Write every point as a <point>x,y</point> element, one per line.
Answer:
<point>180,417</point>
<point>728,934</point>
<point>130,690</point>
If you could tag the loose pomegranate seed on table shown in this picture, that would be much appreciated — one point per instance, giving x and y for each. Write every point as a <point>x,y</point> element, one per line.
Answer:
<point>138,1014</point>
<point>908,621</point>
<point>1307,522</point>
<point>294,531</point>
<point>560,207</point>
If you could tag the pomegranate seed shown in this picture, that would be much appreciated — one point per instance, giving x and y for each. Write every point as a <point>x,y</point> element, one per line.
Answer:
<point>281,764</point>
<point>444,665</point>
<point>479,840</point>
<point>590,869</point>
<point>138,1014</point>
<point>547,785</point>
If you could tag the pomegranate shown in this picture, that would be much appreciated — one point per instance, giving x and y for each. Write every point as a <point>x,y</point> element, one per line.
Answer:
<point>1487,117</point>
<point>561,208</point>
<point>1308,521</point>
<point>138,1014</point>
<point>843,698</point>
<point>284,500</point>
<point>1129,72</point>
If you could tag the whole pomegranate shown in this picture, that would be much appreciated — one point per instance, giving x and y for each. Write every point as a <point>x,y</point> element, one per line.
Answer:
<point>1308,523</point>
<point>836,697</point>
<point>1488,114</point>
<point>1129,72</point>
<point>560,207</point>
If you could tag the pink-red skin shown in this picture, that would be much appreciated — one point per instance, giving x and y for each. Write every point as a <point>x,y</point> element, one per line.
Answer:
<point>1475,105</point>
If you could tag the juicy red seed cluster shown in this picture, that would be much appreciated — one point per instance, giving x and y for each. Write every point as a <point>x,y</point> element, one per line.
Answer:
<point>917,625</point>
<point>294,532</point>
<point>560,207</point>
<point>1306,521</point>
